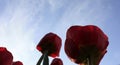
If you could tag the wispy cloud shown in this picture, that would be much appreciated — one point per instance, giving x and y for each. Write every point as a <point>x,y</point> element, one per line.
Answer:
<point>23,23</point>
<point>14,31</point>
<point>55,5</point>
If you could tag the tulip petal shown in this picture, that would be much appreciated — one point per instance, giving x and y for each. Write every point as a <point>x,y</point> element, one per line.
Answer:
<point>17,63</point>
<point>85,42</point>
<point>51,43</point>
<point>6,57</point>
<point>57,61</point>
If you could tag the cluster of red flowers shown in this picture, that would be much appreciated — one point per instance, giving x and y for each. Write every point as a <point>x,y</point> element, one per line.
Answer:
<point>84,45</point>
<point>50,46</point>
<point>6,58</point>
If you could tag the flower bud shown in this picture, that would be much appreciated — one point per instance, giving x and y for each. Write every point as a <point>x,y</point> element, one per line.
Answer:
<point>6,57</point>
<point>57,61</point>
<point>17,63</point>
<point>50,43</point>
<point>83,42</point>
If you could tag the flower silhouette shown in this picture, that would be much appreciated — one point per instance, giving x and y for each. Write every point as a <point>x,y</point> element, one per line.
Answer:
<point>57,61</point>
<point>17,63</point>
<point>49,45</point>
<point>86,44</point>
<point>6,57</point>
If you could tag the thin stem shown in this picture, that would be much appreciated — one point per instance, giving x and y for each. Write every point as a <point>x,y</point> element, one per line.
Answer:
<point>40,60</point>
<point>91,60</point>
<point>46,60</point>
<point>88,62</point>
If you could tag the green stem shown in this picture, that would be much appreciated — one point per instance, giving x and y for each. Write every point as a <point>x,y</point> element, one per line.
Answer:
<point>88,62</point>
<point>40,60</point>
<point>91,60</point>
<point>46,60</point>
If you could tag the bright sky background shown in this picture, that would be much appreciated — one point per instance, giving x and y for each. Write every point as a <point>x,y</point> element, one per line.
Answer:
<point>24,22</point>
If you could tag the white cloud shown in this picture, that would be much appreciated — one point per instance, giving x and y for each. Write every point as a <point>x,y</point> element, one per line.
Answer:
<point>21,21</point>
<point>56,4</point>
<point>14,33</point>
<point>82,13</point>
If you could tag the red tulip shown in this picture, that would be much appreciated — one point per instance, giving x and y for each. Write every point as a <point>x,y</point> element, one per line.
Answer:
<point>86,42</point>
<point>17,63</point>
<point>57,61</point>
<point>6,57</point>
<point>49,45</point>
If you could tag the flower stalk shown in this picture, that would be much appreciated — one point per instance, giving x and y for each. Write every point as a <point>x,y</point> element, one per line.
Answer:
<point>46,59</point>
<point>40,60</point>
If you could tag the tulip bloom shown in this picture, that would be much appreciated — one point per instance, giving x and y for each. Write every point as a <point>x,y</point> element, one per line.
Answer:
<point>57,61</point>
<point>6,57</point>
<point>86,44</point>
<point>49,45</point>
<point>17,63</point>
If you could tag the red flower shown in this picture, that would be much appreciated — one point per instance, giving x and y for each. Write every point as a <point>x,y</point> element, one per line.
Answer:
<point>6,57</point>
<point>57,61</point>
<point>85,42</point>
<point>50,43</point>
<point>17,63</point>
<point>49,46</point>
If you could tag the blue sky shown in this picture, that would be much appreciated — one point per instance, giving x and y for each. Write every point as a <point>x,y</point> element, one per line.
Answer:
<point>24,22</point>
